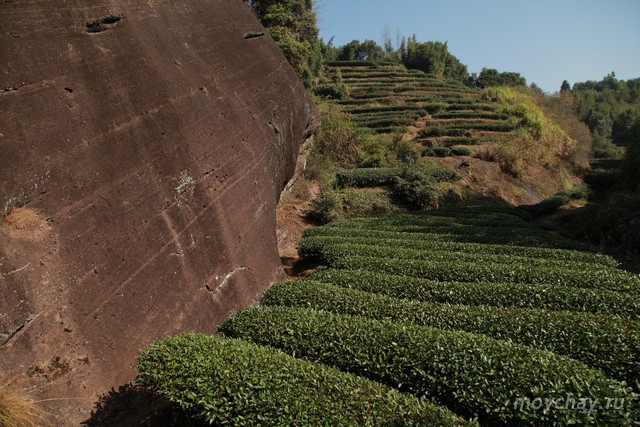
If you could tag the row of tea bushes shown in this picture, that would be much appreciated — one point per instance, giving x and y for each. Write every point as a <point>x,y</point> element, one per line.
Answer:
<point>223,381</point>
<point>332,252</point>
<point>379,177</point>
<point>492,236</point>
<point>453,270</point>
<point>471,374</point>
<point>495,294</point>
<point>309,245</point>
<point>607,343</point>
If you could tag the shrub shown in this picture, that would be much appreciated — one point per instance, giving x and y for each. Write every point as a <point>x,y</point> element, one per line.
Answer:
<point>561,198</point>
<point>550,297</point>
<point>378,177</point>
<point>415,189</point>
<point>405,152</point>
<point>338,138</point>
<point>366,203</point>
<point>435,131</point>
<point>460,151</point>
<point>331,92</point>
<point>577,192</point>
<point>231,382</point>
<point>428,151</point>
<point>442,151</point>
<point>324,209</point>
<point>473,375</point>
<point>435,107</point>
<point>607,343</point>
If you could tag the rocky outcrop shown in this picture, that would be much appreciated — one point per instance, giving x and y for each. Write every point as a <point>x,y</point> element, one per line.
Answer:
<point>143,148</point>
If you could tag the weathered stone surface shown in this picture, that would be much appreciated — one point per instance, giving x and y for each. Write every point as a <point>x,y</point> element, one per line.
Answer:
<point>146,143</point>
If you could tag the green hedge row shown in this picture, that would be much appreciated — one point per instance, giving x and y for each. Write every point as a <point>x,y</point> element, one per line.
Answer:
<point>464,130</point>
<point>434,224</point>
<point>475,211</point>
<point>436,131</point>
<point>433,92</point>
<point>378,177</point>
<point>383,109</point>
<point>350,63</point>
<point>383,123</point>
<point>391,75</point>
<point>370,95</point>
<point>549,297</point>
<point>471,106</point>
<point>607,343</point>
<point>550,241</point>
<point>387,129</point>
<point>453,270</point>
<point>391,115</point>
<point>472,374</point>
<point>352,101</point>
<point>475,248</point>
<point>225,381</point>
<point>453,100</point>
<point>451,141</point>
<point>332,253</point>
<point>472,115</point>
<point>513,234</point>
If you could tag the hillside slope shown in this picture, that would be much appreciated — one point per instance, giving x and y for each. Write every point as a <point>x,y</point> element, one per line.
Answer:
<point>501,143</point>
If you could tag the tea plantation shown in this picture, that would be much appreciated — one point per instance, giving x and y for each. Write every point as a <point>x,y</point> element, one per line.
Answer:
<point>472,314</point>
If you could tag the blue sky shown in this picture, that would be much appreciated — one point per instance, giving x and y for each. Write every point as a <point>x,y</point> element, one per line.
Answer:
<point>547,41</point>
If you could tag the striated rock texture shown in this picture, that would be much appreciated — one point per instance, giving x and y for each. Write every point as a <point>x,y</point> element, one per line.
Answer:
<point>143,148</point>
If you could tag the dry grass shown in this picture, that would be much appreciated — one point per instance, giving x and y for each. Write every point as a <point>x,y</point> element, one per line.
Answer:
<point>22,218</point>
<point>17,408</point>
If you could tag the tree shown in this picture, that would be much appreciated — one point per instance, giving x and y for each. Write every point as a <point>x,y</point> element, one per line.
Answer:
<point>491,77</point>
<point>433,58</point>
<point>430,57</point>
<point>368,50</point>
<point>293,26</point>
<point>403,50</point>
<point>454,69</point>
<point>387,44</point>
<point>566,87</point>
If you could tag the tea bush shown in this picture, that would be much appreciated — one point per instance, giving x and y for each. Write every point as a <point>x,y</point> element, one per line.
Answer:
<point>495,294</point>
<point>607,343</point>
<point>472,374</point>
<point>225,381</point>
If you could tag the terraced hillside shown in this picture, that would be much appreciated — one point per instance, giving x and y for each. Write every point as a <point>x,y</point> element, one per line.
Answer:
<point>498,140</point>
<point>470,309</point>
<point>386,97</point>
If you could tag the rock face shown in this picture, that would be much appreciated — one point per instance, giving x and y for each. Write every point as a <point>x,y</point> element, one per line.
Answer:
<point>143,148</point>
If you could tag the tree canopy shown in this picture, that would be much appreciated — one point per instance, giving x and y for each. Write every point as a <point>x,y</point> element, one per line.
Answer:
<point>491,77</point>
<point>293,26</point>
<point>611,109</point>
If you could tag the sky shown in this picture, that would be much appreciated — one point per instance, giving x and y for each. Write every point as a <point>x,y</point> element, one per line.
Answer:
<point>547,41</point>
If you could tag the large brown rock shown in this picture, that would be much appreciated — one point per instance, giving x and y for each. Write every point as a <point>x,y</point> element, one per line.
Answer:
<point>143,148</point>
